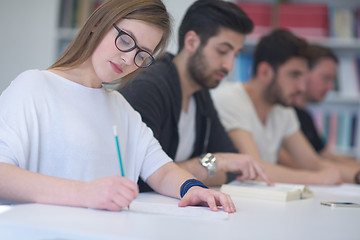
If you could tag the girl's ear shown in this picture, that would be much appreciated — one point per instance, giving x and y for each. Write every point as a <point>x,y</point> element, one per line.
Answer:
<point>191,41</point>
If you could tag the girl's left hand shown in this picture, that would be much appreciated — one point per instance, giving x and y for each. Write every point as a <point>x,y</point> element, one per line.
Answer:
<point>208,197</point>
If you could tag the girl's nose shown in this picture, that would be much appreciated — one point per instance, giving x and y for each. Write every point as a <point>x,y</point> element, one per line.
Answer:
<point>128,57</point>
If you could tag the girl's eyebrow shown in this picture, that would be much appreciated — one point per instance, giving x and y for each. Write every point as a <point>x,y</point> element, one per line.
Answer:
<point>136,41</point>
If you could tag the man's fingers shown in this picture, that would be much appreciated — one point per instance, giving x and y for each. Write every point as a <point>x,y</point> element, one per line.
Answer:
<point>262,175</point>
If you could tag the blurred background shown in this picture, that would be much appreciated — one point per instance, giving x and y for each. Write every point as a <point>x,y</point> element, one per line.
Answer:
<point>34,33</point>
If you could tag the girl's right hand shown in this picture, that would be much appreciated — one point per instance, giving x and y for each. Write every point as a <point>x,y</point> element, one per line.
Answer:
<point>110,193</point>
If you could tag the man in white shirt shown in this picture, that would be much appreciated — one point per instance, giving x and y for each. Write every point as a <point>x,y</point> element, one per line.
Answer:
<point>173,98</point>
<point>257,117</point>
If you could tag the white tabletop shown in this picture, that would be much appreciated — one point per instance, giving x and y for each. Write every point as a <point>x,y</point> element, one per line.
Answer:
<point>254,219</point>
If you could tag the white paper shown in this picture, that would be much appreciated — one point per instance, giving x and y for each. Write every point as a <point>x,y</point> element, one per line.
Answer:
<point>174,210</point>
<point>345,189</point>
<point>4,208</point>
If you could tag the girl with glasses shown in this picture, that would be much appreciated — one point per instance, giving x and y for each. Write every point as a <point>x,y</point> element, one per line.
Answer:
<point>57,144</point>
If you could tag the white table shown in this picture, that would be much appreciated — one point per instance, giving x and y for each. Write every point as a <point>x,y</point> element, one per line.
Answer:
<point>254,219</point>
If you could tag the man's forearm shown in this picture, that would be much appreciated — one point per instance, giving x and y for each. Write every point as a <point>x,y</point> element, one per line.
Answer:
<point>194,167</point>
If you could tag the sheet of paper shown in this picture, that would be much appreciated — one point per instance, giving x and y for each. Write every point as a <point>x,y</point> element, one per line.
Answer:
<point>345,189</point>
<point>174,210</point>
<point>4,208</point>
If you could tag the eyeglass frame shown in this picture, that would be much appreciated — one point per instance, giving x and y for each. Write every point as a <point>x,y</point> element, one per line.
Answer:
<point>121,32</point>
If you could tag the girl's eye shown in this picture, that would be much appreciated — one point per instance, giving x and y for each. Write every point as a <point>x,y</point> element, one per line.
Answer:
<point>125,41</point>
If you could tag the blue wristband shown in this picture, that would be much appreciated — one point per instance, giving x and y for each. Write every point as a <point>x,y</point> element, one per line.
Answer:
<point>189,184</point>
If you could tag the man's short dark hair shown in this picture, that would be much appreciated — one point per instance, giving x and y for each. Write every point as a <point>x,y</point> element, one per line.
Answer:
<point>206,17</point>
<point>278,47</point>
<point>318,53</point>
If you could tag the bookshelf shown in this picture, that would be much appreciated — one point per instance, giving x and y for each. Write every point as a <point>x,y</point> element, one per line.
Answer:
<point>344,101</point>
<point>72,15</point>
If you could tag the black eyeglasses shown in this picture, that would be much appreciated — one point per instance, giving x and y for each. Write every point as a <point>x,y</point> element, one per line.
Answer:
<point>126,43</point>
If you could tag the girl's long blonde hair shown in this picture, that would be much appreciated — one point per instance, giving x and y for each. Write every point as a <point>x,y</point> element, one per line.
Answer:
<point>103,18</point>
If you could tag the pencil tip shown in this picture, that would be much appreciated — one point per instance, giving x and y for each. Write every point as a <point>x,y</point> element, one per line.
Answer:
<point>115,130</point>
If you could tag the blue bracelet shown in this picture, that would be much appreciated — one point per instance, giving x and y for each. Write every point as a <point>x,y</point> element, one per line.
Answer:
<point>189,184</point>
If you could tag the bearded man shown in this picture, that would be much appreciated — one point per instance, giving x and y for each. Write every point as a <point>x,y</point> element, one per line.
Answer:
<point>173,96</point>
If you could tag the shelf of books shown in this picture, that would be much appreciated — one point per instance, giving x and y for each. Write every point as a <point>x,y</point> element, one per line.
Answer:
<point>73,14</point>
<point>338,125</point>
<point>332,24</point>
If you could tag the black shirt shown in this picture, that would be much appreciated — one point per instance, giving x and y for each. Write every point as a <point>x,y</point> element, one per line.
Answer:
<point>156,94</point>
<point>308,128</point>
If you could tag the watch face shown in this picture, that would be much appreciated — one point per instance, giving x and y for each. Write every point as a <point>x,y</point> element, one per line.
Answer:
<point>208,160</point>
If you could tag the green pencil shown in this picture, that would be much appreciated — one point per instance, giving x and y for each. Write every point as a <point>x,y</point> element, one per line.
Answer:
<point>118,150</point>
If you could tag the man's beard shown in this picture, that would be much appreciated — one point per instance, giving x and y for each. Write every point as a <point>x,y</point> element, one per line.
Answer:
<point>274,94</point>
<point>197,68</point>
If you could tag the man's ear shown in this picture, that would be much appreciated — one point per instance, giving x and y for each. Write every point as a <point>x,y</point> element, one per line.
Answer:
<point>265,72</point>
<point>191,41</point>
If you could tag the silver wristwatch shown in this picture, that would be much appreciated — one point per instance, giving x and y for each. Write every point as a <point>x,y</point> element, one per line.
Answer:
<point>208,160</point>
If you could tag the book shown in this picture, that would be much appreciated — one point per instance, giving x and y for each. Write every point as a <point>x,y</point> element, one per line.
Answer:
<point>348,77</point>
<point>357,22</point>
<point>243,70</point>
<point>278,192</point>
<point>342,22</point>
<point>308,20</point>
<point>66,13</point>
<point>354,127</point>
<point>260,14</point>
<point>344,132</point>
<point>83,12</point>
<point>331,142</point>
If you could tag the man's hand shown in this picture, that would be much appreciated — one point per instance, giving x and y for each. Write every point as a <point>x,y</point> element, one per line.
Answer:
<point>247,167</point>
<point>329,174</point>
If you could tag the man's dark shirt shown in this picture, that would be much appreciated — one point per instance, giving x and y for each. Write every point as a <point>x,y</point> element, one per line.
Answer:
<point>156,94</point>
<point>308,128</point>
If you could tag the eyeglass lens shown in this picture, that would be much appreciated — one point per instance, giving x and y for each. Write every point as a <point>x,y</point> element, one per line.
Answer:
<point>126,43</point>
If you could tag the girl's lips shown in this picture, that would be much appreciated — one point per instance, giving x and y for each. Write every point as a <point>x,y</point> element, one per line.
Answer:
<point>116,67</point>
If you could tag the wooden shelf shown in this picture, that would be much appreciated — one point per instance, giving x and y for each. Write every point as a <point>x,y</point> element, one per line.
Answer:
<point>334,43</point>
<point>335,97</point>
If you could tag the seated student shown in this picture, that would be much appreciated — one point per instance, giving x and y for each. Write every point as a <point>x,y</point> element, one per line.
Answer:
<point>323,70</point>
<point>173,98</point>
<point>57,144</point>
<point>257,117</point>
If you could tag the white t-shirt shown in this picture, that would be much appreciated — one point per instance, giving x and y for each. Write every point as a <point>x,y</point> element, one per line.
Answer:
<point>186,129</point>
<point>53,126</point>
<point>237,111</point>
